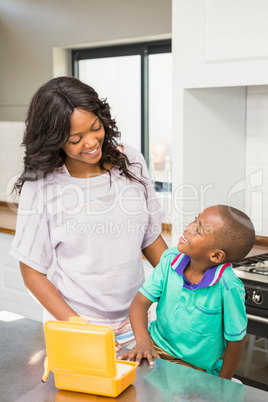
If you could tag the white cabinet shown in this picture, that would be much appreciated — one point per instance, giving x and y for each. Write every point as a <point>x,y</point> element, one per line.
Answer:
<point>220,43</point>
<point>13,295</point>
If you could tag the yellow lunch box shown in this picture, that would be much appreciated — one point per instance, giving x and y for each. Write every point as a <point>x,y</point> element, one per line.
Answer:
<point>82,357</point>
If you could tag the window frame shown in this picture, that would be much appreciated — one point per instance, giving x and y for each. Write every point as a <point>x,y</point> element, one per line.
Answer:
<point>144,49</point>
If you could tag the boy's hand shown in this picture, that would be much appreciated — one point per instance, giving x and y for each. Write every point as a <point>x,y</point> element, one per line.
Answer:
<point>141,350</point>
<point>118,347</point>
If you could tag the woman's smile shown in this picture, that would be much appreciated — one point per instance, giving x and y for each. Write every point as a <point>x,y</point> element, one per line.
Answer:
<point>84,148</point>
<point>93,153</point>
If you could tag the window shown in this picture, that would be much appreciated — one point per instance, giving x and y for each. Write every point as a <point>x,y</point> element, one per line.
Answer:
<point>137,82</point>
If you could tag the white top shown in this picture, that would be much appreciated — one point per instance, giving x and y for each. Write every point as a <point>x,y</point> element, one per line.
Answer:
<point>96,228</point>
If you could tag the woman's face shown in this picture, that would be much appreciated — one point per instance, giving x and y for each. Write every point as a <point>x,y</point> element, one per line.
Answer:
<point>84,147</point>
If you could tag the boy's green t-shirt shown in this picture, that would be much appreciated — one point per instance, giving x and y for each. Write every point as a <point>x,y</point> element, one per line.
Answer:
<point>195,325</point>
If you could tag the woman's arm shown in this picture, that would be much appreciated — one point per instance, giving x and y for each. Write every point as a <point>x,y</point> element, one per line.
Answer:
<point>155,250</point>
<point>232,356</point>
<point>46,293</point>
<point>138,314</point>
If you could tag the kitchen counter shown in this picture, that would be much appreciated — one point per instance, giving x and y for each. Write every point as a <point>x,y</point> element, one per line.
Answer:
<point>22,351</point>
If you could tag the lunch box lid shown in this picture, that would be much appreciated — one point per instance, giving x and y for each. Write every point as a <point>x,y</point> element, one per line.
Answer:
<point>80,347</point>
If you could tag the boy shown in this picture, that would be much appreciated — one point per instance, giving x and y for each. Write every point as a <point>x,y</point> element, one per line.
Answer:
<point>201,307</point>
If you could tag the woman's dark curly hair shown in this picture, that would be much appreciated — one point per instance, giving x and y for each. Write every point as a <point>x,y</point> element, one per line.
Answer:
<point>48,129</point>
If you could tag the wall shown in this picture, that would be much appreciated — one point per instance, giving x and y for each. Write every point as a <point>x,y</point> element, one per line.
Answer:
<point>224,154</point>
<point>257,157</point>
<point>11,155</point>
<point>209,157</point>
<point>35,41</point>
<point>251,179</point>
<point>35,34</point>
<point>214,143</point>
<point>221,45</point>
<point>31,29</point>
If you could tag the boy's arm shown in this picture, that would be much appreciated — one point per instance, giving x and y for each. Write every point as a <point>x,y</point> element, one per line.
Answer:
<point>232,356</point>
<point>139,322</point>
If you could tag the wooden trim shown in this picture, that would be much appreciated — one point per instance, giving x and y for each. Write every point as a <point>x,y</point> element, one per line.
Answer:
<point>3,204</point>
<point>166,227</point>
<point>13,206</point>
<point>261,241</point>
<point>8,231</point>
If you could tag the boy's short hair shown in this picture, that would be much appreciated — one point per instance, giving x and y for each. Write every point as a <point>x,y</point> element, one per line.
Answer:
<point>237,235</point>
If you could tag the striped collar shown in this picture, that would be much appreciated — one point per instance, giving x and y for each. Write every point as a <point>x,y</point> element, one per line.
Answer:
<point>210,278</point>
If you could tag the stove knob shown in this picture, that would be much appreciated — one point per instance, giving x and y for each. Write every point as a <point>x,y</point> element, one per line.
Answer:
<point>247,294</point>
<point>256,297</point>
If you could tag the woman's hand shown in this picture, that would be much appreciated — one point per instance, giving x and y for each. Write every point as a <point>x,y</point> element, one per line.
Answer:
<point>143,349</point>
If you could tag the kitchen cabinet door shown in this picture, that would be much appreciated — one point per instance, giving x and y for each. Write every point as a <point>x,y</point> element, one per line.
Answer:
<point>220,43</point>
<point>14,296</point>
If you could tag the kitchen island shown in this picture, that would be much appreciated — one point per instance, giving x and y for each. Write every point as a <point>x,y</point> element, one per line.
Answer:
<point>22,352</point>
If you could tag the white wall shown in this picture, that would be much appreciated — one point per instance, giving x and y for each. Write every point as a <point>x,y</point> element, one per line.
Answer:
<point>35,41</point>
<point>218,46</point>
<point>31,29</point>
<point>214,145</point>
<point>11,157</point>
<point>209,152</point>
<point>257,157</point>
<point>202,31</point>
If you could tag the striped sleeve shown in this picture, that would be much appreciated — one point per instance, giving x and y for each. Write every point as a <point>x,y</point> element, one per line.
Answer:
<point>32,244</point>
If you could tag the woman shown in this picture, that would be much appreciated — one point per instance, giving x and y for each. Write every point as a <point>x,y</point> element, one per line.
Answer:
<point>86,205</point>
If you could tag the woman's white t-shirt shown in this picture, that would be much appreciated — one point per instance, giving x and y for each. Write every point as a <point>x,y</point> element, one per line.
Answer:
<point>93,230</point>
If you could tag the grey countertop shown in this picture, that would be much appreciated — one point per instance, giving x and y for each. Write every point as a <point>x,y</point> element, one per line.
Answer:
<point>22,352</point>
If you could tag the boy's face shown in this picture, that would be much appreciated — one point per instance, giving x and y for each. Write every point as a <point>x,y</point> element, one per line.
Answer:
<point>198,239</point>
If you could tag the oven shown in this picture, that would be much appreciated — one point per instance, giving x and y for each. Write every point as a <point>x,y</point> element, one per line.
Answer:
<point>253,368</point>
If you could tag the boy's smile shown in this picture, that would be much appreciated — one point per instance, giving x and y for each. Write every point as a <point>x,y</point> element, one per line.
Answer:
<point>198,240</point>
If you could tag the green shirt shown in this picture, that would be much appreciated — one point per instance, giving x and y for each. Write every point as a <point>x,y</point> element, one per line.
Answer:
<point>195,325</point>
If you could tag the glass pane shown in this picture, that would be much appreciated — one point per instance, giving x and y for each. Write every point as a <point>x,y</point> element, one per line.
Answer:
<point>118,80</point>
<point>160,118</point>
<point>253,363</point>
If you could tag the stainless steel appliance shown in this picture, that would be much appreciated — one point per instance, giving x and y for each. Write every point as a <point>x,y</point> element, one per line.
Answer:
<point>253,272</point>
